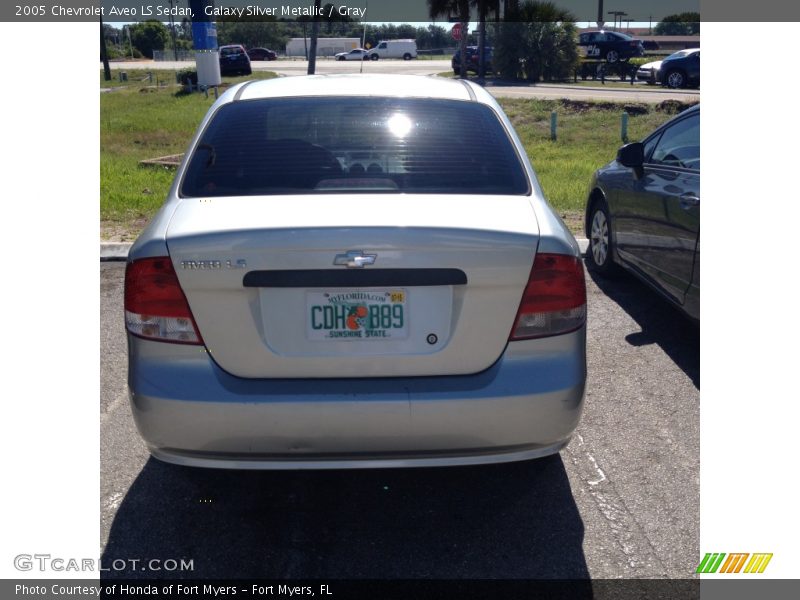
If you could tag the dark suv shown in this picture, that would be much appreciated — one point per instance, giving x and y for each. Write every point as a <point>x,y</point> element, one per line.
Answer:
<point>610,46</point>
<point>233,60</point>
<point>472,59</point>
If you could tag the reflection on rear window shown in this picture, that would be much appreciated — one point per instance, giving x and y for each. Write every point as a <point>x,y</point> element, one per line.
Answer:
<point>341,144</point>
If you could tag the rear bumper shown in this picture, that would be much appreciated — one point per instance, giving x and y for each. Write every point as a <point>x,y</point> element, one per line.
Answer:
<point>191,412</point>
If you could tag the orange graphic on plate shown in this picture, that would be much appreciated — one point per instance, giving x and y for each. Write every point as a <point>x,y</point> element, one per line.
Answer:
<point>355,313</point>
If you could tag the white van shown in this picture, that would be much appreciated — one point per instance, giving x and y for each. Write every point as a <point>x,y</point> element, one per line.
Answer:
<point>405,49</point>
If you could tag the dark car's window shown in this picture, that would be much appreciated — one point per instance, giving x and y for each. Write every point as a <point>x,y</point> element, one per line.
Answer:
<point>649,146</point>
<point>679,145</point>
<point>354,144</point>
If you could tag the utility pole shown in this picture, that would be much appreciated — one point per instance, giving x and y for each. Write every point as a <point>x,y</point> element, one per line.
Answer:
<point>172,29</point>
<point>312,51</point>
<point>600,21</point>
<point>130,42</point>
<point>363,40</point>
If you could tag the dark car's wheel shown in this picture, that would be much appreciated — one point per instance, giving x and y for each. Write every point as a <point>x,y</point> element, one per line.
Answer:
<point>599,254</point>
<point>675,79</point>
<point>612,56</point>
<point>340,58</point>
<point>374,57</point>
<point>406,56</point>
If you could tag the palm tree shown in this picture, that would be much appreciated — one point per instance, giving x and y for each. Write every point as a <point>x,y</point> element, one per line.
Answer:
<point>445,8</point>
<point>545,38</point>
<point>484,7</point>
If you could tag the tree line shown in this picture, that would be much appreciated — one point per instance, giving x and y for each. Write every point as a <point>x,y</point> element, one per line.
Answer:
<point>530,39</point>
<point>145,37</point>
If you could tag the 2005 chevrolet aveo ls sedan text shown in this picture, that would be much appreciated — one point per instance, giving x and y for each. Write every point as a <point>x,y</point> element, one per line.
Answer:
<point>355,271</point>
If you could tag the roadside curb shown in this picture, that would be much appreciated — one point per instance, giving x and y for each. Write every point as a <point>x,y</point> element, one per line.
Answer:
<point>110,251</point>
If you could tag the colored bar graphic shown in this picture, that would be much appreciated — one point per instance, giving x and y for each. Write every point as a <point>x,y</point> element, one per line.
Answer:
<point>734,560</point>
<point>726,564</point>
<point>758,563</point>
<point>710,563</point>
<point>768,557</point>
<point>701,567</point>
<point>740,564</point>
<point>717,563</point>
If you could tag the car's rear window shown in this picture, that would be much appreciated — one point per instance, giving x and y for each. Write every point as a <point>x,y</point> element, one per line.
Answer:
<point>354,144</point>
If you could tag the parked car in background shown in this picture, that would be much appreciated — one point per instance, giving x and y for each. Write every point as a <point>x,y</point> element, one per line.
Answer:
<point>262,54</point>
<point>649,72</point>
<point>643,212</point>
<point>287,310</point>
<point>610,46</point>
<point>472,59</point>
<point>681,69</point>
<point>354,54</point>
<point>233,60</point>
<point>405,49</point>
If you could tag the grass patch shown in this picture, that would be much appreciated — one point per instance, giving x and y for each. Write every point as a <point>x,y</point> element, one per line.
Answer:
<point>138,78</point>
<point>139,122</point>
<point>588,137</point>
<point>611,82</point>
<point>422,56</point>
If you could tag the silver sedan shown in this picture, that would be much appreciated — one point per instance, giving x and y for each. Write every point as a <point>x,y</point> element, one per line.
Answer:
<point>354,54</point>
<point>355,271</point>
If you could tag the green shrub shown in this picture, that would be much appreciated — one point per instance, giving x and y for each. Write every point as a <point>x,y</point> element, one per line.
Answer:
<point>187,76</point>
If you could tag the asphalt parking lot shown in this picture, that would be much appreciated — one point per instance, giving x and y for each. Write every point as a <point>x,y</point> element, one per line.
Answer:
<point>621,501</point>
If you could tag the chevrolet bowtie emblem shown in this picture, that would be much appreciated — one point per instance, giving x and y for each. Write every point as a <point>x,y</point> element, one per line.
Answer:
<point>354,259</point>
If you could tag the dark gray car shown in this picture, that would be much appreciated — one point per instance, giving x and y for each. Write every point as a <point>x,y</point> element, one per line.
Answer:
<point>643,212</point>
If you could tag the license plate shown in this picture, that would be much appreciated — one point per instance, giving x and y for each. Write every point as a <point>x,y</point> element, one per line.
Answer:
<point>357,315</point>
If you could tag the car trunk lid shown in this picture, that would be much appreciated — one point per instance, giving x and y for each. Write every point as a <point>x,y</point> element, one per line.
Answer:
<point>366,285</point>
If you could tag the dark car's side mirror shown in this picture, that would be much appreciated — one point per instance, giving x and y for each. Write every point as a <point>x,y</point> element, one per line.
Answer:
<point>631,155</point>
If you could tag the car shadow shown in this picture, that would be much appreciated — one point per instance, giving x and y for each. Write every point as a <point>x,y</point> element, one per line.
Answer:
<point>510,521</point>
<point>660,322</point>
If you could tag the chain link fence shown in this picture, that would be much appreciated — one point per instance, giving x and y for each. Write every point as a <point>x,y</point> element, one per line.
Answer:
<point>169,55</point>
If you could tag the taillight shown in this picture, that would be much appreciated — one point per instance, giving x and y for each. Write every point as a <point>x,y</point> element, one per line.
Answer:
<point>554,301</point>
<point>155,306</point>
